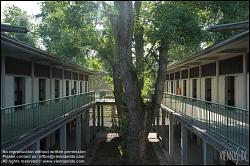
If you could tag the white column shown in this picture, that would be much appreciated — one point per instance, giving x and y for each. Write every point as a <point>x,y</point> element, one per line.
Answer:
<point>102,116</point>
<point>78,83</point>
<point>171,138</point>
<point>63,144</point>
<point>78,133</point>
<point>3,80</point>
<point>93,117</point>
<point>245,81</point>
<point>218,83</point>
<point>63,83</point>
<point>184,145</point>
<point>50,74</point>
<point>207,154</point>
<point>199,82</point>
<point>71,83</point>
<point>189,84</point>
<point>32,82</point>
<point>98,117</point>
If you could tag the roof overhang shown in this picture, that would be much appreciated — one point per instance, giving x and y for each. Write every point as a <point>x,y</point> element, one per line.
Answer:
<point>22,50</point>
<point>236,45</point>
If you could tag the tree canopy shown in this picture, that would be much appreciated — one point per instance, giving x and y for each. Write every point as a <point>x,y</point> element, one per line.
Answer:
<point>15,16</point>
<point>134,42</point>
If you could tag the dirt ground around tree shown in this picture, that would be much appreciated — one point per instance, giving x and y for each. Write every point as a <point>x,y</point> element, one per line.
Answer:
<point>110,153</point>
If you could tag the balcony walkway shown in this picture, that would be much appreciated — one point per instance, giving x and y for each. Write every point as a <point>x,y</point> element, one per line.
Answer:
<point>18,121</point>
<point>231,124</point>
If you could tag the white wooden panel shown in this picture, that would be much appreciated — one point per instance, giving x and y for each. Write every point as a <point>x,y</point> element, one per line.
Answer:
<point>239,91</point>
<point>214,89</point>
<point>221,89</point>
<point>9,91</point>
<point>202,89</point>
<point>28,90</point>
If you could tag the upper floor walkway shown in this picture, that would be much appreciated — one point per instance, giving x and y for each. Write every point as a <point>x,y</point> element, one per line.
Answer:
<point>22,120</point>
<point>227,125</point>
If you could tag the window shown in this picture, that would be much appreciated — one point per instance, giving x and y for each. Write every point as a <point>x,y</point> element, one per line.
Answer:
<point>208,89</point>
<point>42,89</point>
<point>19,90</point>
<point>229,81</point>
<point>194,88</point>
<point>57,88</point>
<point>184,87</point>
<point>67,88</point>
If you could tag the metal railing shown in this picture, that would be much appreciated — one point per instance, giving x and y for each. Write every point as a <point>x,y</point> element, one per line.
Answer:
<point>230,123</point>
<point>19,120</point>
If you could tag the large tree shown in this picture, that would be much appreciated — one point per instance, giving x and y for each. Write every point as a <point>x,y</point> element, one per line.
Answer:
<point>15,16</point>
<point>136,42</point>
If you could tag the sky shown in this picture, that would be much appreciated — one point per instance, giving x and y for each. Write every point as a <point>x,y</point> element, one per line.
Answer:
<point>31,7</point>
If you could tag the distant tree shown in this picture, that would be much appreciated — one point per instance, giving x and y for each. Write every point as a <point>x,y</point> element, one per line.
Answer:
<point>15,16</point>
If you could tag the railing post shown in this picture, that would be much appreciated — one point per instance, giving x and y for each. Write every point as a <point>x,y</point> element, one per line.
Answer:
<point>192,109</point>
<point>171,101</point>
<point>209,119</point>
<point>33,118</point>
<point>227,122</point>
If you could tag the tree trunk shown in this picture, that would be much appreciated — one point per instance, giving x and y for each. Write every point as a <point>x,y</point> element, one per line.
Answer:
<point>135,142</point>
<point>159,85</point>
<point>119,98</point>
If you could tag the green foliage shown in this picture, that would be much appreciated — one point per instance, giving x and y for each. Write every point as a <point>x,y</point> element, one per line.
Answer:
<point>93,63</point>
<point>67,29</point>
<point>14,16</point>
<point>220,12</point>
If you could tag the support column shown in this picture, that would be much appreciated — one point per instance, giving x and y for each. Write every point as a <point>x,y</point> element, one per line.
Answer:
<point>171,138</point>
<point>93,117</point>
<point>87,128</point>
<point>48,143</point>
<point>163,123</point>
<point>184,145</point>
<point>157,123</point>
<point>78,133</point>
<point>217,82</point>
<point>245,81</point>
<point>36,147</point>
<point>189,84</point>
<point>98,117</point>
<point>3,102</point>
<point>50,74</point>
<point>102,116</point>
<point>207,154</point>
<point>63,137</point>
<point>62,82</point>
<point>83,132</point>
<point>200,82</point>
<point>32,82</point>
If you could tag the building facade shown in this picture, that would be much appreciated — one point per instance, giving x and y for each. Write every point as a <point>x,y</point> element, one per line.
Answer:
<point>207,96</point>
